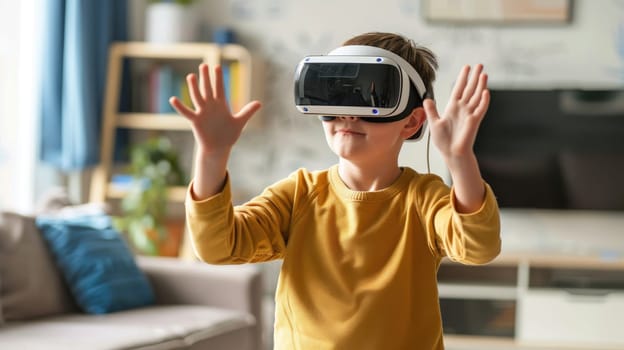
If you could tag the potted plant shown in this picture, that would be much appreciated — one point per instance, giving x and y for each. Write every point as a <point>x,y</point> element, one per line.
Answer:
<point>154,167</point>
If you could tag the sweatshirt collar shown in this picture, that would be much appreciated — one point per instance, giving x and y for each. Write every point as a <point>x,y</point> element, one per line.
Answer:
<point>399,185</point>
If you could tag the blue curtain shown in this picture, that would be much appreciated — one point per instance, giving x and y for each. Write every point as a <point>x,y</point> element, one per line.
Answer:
<point>76,37</point>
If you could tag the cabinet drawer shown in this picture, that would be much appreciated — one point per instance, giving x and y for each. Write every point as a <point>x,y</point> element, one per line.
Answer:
<point>571,317</point>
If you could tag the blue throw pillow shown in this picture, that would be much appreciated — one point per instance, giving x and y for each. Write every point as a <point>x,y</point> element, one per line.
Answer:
<point>96,263</point>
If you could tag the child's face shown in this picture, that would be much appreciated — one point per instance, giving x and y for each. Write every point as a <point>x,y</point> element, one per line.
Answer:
<point>352,138</point>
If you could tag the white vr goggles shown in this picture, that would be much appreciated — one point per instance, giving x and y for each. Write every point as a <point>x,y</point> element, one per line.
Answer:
<point>361,81</point>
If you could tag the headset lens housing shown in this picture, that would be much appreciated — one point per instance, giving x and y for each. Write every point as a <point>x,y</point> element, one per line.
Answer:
<point>359,85</point>
<point>349,85</point>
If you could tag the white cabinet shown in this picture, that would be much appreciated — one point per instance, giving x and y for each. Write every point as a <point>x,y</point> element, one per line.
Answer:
<point>581,317</point>
<point>552,287</point>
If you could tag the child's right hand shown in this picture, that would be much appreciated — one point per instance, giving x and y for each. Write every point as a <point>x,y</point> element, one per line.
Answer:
<point>215,128</point>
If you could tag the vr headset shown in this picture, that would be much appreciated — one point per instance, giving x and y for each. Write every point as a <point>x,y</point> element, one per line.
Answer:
<point>368,82</point>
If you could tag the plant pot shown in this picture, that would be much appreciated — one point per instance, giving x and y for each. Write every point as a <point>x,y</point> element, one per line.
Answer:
<point>164,242</point>
<point>170,246</point>
<point>170,23</point>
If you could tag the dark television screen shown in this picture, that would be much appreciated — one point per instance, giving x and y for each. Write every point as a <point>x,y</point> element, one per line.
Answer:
<point>559,149</point>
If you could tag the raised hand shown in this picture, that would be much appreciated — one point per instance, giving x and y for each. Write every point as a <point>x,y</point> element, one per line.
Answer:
<point>215,128</point>
<point>455,131</point>
<point>454,134</point>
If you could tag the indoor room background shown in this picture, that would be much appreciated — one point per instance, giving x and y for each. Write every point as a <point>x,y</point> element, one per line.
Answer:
<point>586,52</point>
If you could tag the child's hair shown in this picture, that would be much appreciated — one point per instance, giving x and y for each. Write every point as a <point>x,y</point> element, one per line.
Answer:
<point>420,57</point>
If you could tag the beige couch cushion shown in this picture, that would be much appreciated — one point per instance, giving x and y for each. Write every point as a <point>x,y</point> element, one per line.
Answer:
<point>30,284</point>
<point>151,328</point>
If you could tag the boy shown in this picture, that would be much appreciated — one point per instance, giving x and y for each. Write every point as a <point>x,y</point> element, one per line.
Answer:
<point>361,242</point>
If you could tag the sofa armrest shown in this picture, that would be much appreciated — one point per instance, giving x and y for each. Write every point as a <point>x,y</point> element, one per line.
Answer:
<point>176,281</point>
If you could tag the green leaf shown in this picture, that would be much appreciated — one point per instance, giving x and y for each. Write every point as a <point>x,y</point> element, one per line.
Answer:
<point>155,166</point>
<point>140,239</point>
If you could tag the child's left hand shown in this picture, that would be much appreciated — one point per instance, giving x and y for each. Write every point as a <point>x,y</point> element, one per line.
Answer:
<point>454,133</point>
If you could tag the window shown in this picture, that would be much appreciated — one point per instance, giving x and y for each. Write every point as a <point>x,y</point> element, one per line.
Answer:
<point>18,103</point>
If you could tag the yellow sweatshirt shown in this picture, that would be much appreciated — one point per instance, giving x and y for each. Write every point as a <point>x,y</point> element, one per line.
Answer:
<point>359,268</point>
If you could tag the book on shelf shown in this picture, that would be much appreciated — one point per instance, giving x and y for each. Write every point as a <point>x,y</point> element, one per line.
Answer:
<point>121,182</point>
<point>231,78</point>
<point>227,78</point>
<point>164,82</point>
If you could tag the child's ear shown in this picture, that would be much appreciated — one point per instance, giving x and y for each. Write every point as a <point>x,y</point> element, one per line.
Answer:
<point>414,122</point>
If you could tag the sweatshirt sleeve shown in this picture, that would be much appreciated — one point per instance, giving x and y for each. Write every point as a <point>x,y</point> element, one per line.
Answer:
<point>224,234</point>
<point>469,238</point>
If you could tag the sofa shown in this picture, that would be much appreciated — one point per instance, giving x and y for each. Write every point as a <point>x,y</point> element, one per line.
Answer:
<point>195,305</point>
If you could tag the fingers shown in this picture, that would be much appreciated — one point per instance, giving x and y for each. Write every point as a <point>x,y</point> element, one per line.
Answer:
<point>466,89</point>
<point>180,107</point>
<point>191,81</point>
<point>470,88</point>
<point>478,93</point>
<point>431,111</point>
<point>219,87</point>
<point>248,110</point>
<point>202,92</point>
<point>472,93</point>
<point>460,84</point>
<point>484,103</point>
<point>208,101</point>
<point>206,84</point>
